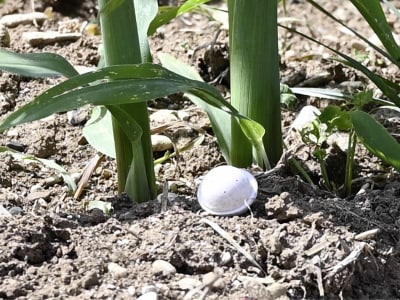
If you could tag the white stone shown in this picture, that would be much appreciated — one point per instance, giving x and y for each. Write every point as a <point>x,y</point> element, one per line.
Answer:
<point>164,116</point>
<point>161,143</point>
<point>162,266</point>
<point>4,212</point>
<point>306,115</point>
<point>17,19</point>
<point>131,290</point>
<point>188,283</point>
<point>48,37</point>
<point>148,296</point>
<point>117,271</point>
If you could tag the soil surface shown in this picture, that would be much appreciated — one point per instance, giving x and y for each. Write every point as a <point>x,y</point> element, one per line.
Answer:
<point>299,241</point>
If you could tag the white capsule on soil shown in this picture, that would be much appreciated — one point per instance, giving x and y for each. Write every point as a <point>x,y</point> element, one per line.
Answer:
<point>227,191</point>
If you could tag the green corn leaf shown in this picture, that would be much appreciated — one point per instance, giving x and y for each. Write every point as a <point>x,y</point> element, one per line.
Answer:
<point>46,162</point>
<point>126,43</point>
<point>366,40</point>
<point>376,138</point>
<point>332,94</point>
<point>114,85</point>
<point>255,133</point>
<point>137,185</point>
<point>167,13</point>
<point>389,88</point>
<point>111,6</point>
<point>36,64</point>
<point>98,131</point>
<point>145,13</point>
<point>220,121</point>
<point>374,15</point>
<point>118,85</point>
<point>255,88</point>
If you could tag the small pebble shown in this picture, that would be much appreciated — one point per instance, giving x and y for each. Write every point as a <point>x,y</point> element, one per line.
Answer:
<point>14,20</point>
<point>12,133</point>
<point>131,290</point>
<point>117,271</point>
<point>214,280</point>
<point>41,203</point>
<point>226,258</point>
<point>306,115</point>
<point>164,267</point>
<point>161,143</point>
<point>48,37</point>
<point>171,197</point>
<point>164,116</point>
<point>106,173</point>
<point>188,283</point>
<point>17,146</point>
<point>90,280</point>
<point>36,194</point>
<point>77,117</point>
<point>4,212</point>
<point>148,296</point>
<point>111,286</point>
<point>277,290</point>
<point>136,229</point>
<point>149,288</point>
<point>16,210</point>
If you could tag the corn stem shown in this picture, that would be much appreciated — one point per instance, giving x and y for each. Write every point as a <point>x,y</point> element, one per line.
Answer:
<point>255,89</point>
<point>122,46</point>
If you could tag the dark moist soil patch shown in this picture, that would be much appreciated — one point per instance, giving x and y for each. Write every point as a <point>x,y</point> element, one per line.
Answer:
<point>299,241</point>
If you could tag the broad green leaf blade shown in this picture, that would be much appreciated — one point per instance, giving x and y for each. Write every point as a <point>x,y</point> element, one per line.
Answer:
<point>52,164</point>
<point>98,131</point>
<point>128,84</point>
<point>374,15</point>
<point>111,6</point>
<point>36,64</point>
<point>46,162</point>
<point>376,138</point>
<point>333,116</point>
<point>322,93</point>
<point>145,13</point>
<point>167,13</point>
<point>255,133</point>
<point>331,94</point>
<point>220,121</point>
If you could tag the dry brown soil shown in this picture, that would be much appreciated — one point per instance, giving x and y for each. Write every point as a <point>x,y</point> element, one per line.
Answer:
<point>301,241</point>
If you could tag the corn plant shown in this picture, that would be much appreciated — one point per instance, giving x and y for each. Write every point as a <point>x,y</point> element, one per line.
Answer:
<point>128,80</point>
<point>363,127</point>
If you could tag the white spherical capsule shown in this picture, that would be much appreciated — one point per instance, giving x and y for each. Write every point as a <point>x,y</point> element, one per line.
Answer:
<point>227,191</point>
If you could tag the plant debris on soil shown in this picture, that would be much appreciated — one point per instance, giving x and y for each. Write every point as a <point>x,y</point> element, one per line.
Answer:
<point>299,241</point>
